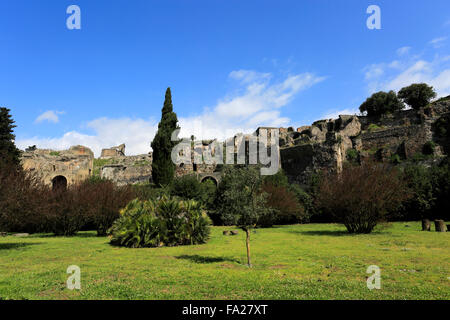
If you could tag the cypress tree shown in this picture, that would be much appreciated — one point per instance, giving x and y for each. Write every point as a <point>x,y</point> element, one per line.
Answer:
<point>163,168</point>
<point>8,150</point>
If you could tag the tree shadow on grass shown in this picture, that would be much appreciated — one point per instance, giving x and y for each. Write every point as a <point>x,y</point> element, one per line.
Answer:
<point>202,259</point>
<point>335,233</point>
<point>16,245</point>
<point>78,235</point>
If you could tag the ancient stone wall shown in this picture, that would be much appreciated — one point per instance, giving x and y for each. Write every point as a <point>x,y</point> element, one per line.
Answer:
<point>128,169</point>
<point>73,165</point>
<point>324,144</point>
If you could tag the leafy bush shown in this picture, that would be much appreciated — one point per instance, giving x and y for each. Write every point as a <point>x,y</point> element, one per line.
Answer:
<point>278,187</point>
<point>186,187</point>
<point>440,176</point>
<point>430,189</point>
<point>442,126</point>
<point>395,159</point>
<point>373,127</point>
<point>165,222</point>
<point>190,188</point>
<point>420,181</point>
<point>208,191</point>
<point>148,191</point>
<point>352,155</point>
<point>381,103</point>
<point>417,95</point>
<point>362,196</point>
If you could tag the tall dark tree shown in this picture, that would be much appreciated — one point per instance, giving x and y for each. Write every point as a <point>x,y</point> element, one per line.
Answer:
<point>8,150</point>
<point>381,103</point>
<point>417,95</point>
<point>163,168</point>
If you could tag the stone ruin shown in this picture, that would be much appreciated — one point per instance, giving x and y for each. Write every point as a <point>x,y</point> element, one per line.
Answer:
<point>113,152</point>
<point>325,143</point>
<point>307,150</point>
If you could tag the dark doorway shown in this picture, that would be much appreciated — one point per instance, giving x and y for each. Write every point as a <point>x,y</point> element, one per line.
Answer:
<point>59,183</point>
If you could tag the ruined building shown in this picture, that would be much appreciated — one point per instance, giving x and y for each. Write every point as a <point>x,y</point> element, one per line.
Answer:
<point>59,168</point>
<point>325,144</point>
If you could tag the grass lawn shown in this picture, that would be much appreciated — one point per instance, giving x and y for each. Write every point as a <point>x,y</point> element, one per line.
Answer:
<point>314,261</point>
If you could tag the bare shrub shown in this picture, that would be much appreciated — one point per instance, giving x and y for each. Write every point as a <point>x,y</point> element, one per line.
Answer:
<point>101,202</point>
<point>285,203</point>
<point>21,201</point>
<point>362,196</point>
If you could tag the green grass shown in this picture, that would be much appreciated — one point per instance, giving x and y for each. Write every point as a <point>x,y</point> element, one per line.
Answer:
<point>315,261</point>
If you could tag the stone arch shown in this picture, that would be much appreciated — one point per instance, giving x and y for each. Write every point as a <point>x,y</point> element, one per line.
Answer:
<point>59,182</point>
<point>212,178</point>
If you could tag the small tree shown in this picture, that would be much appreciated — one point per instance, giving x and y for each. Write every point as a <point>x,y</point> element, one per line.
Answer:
<point>8,150</point>
<point>240,200</point>
<point>363,195</point>
<point>163,168</point>
<point>381,103</point>
<point>417,95</point>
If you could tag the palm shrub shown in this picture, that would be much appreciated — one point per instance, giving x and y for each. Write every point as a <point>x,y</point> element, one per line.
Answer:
<point>163,222</point>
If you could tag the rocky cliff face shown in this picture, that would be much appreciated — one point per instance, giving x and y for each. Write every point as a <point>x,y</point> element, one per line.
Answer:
<point>328,144</point>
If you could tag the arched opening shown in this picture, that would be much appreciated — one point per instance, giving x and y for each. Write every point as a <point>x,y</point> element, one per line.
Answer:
<point>59,183</point>
<point>209,179</point>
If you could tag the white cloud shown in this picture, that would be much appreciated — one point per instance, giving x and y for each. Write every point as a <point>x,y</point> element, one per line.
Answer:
<point>438,42</point>
<point>135,133</point>
<point>247,76</point>
<point>403,51</point>
<point>334,114</point>
<point>50,116</point>
<point>373,71</point>
<point>257,102</point>
<point>400,73</point>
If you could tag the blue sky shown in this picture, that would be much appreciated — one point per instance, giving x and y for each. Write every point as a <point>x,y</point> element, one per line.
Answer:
<point>232,65</point>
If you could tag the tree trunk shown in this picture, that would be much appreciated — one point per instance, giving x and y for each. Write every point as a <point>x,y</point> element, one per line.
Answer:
<point>426,225</point>
<point>440,225</point>
<point>248,248</point>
